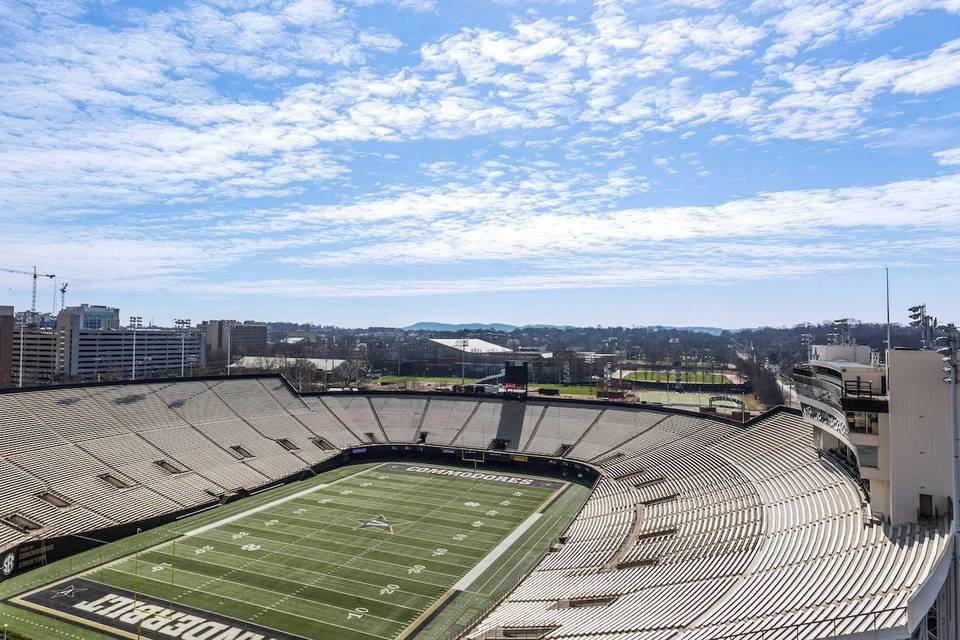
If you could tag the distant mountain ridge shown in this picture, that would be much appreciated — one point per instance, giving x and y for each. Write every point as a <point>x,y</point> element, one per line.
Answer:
<point>498,326</point>
<point>714,331</point>
<point>471,326</point>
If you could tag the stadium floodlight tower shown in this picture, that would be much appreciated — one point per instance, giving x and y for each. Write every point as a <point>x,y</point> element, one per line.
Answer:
<point>927,324</point>
<point>463,361</point>
<point>841,332</point>
<point>183,324</point>
<point>136,322</point>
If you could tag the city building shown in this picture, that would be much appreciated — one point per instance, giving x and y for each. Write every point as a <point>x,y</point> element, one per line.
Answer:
<point>234,339</point>
<point>88,316</point>
<point>451,357</point>
<point>889,422</point>
<point>297,369</point>
<point>34,353</point>
<point>92,346</point>
<point>6,346</point>
<point>92,355</point>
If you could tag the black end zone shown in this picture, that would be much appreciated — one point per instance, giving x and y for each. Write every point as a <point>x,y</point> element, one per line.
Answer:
<point>124,614</point>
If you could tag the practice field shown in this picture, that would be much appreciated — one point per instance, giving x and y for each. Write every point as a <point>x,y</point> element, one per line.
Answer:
<point>367,555</point>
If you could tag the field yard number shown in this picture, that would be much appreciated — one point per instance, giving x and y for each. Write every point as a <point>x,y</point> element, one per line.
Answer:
<point>477,523</point>
<point>504,503</point>
<point>439,552</point>
<point>346,492</point>
<point>251,547</point>
<point>299,511</point>
<point>159,567</point>
<point>324,501</point>
<point>389,589</point>
<point>417,568</point>
<point>471,504</point>
<point>240,534</point>
<point>492,512</point>
<point>202,550</point>
<point>383,477</point>
<point>518,493</point>
<point>365,484</point>
<point>460,537</point>
<point>357,613</point>
<point>270,523</point>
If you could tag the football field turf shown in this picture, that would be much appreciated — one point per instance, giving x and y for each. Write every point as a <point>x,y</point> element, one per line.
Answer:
<point>367,555</point>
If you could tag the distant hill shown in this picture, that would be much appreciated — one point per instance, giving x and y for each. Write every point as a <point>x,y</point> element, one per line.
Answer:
<point>473,326</point>
<point>714,331</point>
<point>497,326</point>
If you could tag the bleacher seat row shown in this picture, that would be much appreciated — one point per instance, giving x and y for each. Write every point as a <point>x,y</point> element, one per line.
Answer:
<point>697,528</point>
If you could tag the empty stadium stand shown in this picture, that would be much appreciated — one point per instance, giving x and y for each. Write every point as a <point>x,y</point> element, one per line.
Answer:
<point>698,528</point>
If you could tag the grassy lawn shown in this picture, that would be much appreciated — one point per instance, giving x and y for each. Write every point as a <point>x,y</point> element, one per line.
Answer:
<point>566,389</point>
<point>422,379</point>
<point>359,552</point>
<point>509,569</point>
<point>671,376</point>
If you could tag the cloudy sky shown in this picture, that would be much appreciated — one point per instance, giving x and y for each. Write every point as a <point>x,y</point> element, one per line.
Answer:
<point>380,162</point>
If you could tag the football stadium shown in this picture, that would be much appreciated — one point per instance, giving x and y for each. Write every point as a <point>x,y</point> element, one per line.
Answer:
<point>235,508</point>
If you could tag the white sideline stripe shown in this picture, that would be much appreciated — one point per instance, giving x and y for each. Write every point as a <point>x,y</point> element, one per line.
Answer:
<point>497,551</point>
<point>268,505</point>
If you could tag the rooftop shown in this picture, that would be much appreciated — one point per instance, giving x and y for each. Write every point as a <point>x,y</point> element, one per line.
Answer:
<point>471,345</point>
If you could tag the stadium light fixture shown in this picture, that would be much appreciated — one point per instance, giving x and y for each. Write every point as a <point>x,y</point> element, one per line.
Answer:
<point>183,324</point>
<point>136,322</point>
<point>927,324</point>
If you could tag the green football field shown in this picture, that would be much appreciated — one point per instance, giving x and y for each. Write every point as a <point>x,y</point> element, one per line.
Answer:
<point>369,553</point>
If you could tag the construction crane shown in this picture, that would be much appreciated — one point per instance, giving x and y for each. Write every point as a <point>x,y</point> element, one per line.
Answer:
<point>33,306</point>
<point>63,296</point>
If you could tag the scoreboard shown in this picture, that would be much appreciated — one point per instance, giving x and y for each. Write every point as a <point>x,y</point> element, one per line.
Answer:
<point>515,376</point>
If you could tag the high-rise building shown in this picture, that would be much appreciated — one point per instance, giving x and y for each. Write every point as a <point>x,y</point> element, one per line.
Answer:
<point>6,346</point>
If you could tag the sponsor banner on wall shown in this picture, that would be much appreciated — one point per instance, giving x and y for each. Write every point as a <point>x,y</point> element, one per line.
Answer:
<point>485,476</point>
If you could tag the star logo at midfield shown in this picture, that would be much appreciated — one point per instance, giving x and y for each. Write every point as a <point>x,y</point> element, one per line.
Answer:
<point>69,591</point>
<point>379,524</point>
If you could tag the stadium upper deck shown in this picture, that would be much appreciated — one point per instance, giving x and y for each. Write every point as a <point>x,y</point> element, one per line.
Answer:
<point>697,528</point>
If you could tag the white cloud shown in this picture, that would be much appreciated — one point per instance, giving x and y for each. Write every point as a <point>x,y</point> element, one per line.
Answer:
<point>948,157</point>
<point>301,139</point>
<point>410,5</point>
<point>804,25</point>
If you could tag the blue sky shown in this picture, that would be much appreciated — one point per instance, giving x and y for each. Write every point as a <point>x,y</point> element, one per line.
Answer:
<point>372,162</point>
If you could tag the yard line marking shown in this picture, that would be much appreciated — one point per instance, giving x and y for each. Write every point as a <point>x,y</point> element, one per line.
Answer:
<point>543,529</point>
<point>395,540</point>
<point>333,564</point>
<point>293,545</point>
<point>285,566</point>
<point>265,506</point>
<point>277,535</point>
<point>281,593</point>
<point>286,613</point>
<point>496,552</point>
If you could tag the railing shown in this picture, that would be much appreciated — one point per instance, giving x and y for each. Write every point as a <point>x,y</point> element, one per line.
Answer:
<point>860,388</point>
<point>820,628</point>
<point>850,470</point>
<point>829,420</point>
<point>829,395</point>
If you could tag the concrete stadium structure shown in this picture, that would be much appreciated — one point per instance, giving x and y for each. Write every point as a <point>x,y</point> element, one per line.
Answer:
<point>698,527</point>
